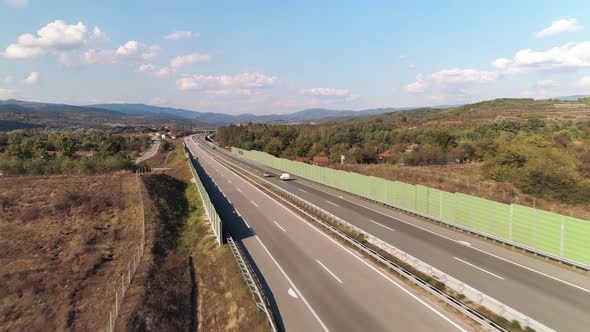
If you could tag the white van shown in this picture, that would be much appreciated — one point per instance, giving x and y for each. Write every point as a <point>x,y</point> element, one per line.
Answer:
<point>285,177</point>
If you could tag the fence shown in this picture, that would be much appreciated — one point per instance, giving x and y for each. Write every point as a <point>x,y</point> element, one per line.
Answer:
<point>209,207</point>
<point>132,265</point>
<point>564,237</point>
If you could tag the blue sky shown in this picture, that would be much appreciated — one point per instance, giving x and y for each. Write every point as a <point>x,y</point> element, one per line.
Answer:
<point>281,56</point>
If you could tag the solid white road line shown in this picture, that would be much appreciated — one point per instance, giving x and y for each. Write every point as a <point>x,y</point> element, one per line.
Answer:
<point>479,268</point>
<point>330,272</point>
<point>279,226</point>
<point>378,271</point>
<point>465,243</point>
<point>333,203</point>
<point>256,205</point>
<point>373,221</point>
<point>298,293</point>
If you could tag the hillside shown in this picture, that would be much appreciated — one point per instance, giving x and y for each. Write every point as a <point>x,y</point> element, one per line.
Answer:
<point>16,114</point>
<point>307,115</point>
<point>531,148</point>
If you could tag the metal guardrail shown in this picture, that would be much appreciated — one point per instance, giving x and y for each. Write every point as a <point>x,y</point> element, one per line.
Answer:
<point>475,295</point>
<point>462,228</point>
<point>246,269</point>
<point>251,281</point>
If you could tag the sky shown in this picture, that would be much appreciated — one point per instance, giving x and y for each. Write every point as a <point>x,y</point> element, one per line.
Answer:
<point>272,57</point>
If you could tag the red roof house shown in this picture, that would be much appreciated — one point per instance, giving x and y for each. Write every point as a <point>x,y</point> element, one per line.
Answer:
<point>320,160</point>
<point>302,160</point>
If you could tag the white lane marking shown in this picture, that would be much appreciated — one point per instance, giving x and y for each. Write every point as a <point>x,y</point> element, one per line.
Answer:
<point>229,181</point>
<point>415,297</point>
<point>479,268</point>
<point>302,190</point>
<point>279,226</point>
<point>330,272</point>
<point>238,189</point>
<point>465,243</point>
<point>333,203</point>
<point>373,221</point>
<point>472,247</point>
<point>292,293</point>
<point>251,201</point>
<point>297,292</point>
<point>340,197</point>
<point>378,271</point>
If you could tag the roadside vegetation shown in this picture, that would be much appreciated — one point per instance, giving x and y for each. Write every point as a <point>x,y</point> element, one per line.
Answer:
<point>539,149</point>
<point>191,283</point>
<point>82,151</point>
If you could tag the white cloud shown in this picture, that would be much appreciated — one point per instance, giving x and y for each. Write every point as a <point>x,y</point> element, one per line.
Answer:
<point>151,52</point>
<point>571,55</point>
<point>146,68</point>
<point>179,35</point>
<point>447,77</point>
<point>584,82</point>
<point>415,87</point>
<point>326,92</point>
<point>158,101</point>
<point>130,48</point>
<point>55,37</point>
<point>92,56</point>
<point>239,84</point>
<point>17,3</point>
<point>411,65</point>
<point>8,79</point>
<point>182,60</point>
<point>546,83</point>
<point>162,72</point>
<point>6,93</point>
<point>32,79</point>
<point>560,26</point>
<point>501,63</point>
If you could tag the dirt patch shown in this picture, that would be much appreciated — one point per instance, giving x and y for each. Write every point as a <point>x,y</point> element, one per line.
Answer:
<point>64,242</point>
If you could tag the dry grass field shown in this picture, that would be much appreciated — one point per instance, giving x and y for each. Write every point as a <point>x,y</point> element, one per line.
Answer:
<point>64,241</point>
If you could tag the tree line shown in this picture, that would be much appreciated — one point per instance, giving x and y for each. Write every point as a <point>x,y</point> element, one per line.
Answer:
<point>83,151</point>
<point>545,160</point>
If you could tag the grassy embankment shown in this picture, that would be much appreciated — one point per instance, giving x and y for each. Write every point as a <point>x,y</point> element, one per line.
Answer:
<point>213,296</point>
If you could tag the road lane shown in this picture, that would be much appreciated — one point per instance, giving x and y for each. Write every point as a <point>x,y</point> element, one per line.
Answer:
<point>366,300</point>
<point>560,305</point>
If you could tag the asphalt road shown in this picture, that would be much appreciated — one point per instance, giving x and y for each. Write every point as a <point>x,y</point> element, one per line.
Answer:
<point>149,153</point>
<point>551,295</point>
<point>316,284</point>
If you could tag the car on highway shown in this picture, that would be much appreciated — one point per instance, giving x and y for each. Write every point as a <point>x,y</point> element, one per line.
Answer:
<point>266,174</point>
<point>285,177</point>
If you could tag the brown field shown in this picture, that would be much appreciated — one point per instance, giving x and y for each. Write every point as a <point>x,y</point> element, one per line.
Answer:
<point>464,178</point>
<point>64,241</point>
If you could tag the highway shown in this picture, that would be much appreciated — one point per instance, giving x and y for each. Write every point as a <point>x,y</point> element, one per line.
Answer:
<point>149,153</point>
<point>555,296</point>
<point>315,283</point>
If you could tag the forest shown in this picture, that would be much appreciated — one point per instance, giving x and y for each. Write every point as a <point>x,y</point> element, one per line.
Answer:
<point>540,156</point>
<point>82,151</point>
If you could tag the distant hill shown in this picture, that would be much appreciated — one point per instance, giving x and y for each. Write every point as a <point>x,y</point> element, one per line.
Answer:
<point>16,114</point>
<point>574,97</point>
<point>307,115</point>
